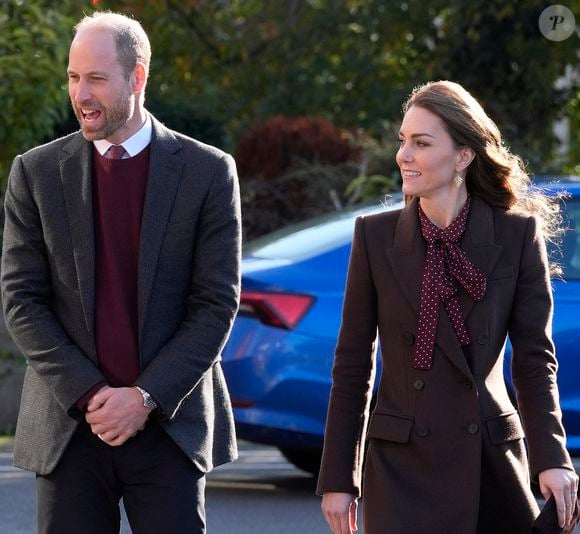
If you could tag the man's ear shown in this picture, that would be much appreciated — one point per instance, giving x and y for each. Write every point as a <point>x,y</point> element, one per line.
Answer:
<point>139,78</point>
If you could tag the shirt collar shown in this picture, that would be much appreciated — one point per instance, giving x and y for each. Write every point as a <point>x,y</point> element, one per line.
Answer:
<point>135,144</point>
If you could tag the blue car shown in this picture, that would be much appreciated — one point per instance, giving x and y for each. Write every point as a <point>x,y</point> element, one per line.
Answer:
<point>278,360</point>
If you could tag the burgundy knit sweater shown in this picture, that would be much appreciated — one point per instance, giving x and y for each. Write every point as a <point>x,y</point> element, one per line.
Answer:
<point>118,196</point>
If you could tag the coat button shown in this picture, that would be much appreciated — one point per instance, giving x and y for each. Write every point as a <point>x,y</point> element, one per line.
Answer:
<point>473,428</point>
<point>467,384</point>
<point>422,431</point>
<point>482,339</point>
<point>419,384</point>
<point>408,338</point>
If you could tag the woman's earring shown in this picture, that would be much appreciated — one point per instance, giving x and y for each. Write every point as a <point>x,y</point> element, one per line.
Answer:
<point>458,179</point>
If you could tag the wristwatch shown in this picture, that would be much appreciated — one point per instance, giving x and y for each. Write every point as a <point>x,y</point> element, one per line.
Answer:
<point>148,401</point>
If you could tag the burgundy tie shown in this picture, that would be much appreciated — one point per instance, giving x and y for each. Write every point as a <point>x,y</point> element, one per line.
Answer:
<point>115,152</point>
<point>446,265</point>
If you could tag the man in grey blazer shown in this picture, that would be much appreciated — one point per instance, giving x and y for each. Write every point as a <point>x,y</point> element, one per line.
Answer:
<point>120,283</point>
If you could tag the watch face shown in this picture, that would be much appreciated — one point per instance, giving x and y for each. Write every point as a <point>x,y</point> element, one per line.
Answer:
<point>148,401</point>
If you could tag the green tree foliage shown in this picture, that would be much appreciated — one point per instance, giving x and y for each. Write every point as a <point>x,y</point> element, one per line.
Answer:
<point>354,61</point>
<point>34,40</point>
<point>229,64</point>
<point>573,163</point>
<point>345,60</point>
<point>523,80</point>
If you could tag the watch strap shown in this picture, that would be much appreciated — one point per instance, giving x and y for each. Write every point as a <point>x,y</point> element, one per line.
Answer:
<point>148,401</point>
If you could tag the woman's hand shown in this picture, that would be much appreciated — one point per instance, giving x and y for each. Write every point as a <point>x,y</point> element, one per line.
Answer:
<point>563,485</point>
<point>339,510</point>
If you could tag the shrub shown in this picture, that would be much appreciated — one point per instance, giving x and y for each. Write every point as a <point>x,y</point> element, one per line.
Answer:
<point>295,168</point>
<point>292,168</point>
<point>273,147</point>
<point>306,190</point>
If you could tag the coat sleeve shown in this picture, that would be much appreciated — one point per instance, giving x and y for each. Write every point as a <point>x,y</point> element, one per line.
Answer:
<point>534,362</point>
<point>213,298</point>
<point>27,300</point>
<point>352,377</point>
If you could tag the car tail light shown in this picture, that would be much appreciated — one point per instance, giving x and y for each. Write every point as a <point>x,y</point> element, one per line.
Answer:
<point>283,310</point>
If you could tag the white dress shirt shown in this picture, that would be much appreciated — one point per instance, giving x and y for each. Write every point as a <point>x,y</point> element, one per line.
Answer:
<point>135,144</point>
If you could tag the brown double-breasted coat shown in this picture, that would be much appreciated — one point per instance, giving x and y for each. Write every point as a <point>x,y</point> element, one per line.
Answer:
<point>428,431</point>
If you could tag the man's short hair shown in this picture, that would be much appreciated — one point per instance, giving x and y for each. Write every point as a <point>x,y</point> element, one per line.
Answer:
<point>132,42</point>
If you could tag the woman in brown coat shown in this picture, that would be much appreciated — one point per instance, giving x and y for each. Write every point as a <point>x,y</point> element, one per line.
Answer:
<point>445,280</point>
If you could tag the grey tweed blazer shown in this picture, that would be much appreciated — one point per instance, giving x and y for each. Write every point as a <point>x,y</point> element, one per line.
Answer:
<point>188,292</point>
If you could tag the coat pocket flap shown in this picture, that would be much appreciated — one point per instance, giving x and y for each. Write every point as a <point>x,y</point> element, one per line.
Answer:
<point>504,428</point>
<point>389,427</point>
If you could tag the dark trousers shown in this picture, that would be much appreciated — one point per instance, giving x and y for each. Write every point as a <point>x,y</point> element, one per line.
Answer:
<point>162,490</point>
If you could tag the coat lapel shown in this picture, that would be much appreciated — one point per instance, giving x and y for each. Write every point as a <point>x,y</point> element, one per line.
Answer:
<point>407,259</point>
<point>479,245</point>
<point>165,168</point>
<point>75,173</point>
<point>407,256</point>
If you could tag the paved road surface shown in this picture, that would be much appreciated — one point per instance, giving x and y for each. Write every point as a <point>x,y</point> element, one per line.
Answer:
<point>261,492</point>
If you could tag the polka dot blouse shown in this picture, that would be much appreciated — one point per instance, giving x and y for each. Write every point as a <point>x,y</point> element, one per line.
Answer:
<point>447,267</point>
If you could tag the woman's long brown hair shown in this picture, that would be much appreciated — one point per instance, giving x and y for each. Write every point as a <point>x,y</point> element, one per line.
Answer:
<point>495,174</point>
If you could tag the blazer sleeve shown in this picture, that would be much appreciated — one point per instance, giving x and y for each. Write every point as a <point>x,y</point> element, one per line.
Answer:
<point>534,362</point>
<point>352,377</point>
<point>27,293</point>
<point>213,298</point>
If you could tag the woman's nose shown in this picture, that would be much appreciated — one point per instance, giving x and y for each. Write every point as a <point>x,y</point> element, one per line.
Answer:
<point>404,153</point>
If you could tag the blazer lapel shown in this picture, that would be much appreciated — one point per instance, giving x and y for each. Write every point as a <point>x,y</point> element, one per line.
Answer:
<point>75,173</point>
<point>165,168</point>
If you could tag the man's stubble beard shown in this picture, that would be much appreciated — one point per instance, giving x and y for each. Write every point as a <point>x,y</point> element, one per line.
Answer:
<point>115,117</point>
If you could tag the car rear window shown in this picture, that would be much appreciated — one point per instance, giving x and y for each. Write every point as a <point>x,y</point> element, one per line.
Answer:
<point>327,232</point>
<point>314,236</point>
<point>567,255</point>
